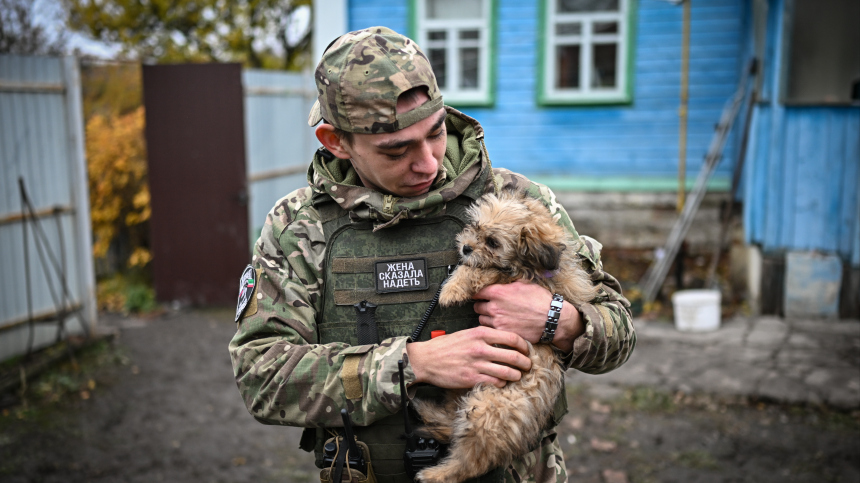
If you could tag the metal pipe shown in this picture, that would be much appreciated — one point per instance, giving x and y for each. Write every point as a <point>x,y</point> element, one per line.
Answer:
<point>682,110</point>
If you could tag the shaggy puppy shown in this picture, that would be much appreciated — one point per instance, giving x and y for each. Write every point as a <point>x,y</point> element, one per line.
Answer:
<point>511,237</point>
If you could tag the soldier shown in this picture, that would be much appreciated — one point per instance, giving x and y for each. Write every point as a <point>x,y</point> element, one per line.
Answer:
<point>374,231</point>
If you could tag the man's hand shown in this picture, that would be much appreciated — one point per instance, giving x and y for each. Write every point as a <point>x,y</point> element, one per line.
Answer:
<point>467,357</point>
<point>521,307</point>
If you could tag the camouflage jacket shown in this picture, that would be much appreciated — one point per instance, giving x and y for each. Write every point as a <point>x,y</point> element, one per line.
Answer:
<point>287,377</point>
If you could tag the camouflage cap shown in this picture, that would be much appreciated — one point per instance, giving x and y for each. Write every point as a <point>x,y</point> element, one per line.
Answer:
<point>360,77</point>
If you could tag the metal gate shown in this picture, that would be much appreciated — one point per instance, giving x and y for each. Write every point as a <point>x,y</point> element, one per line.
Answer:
<point>47,284</point>
<point>195,142</point>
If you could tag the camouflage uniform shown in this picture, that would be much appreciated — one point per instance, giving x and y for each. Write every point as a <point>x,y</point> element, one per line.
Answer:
<point>287,377</point>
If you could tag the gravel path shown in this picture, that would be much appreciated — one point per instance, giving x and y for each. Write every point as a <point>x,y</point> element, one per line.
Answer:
<point>172,413</point>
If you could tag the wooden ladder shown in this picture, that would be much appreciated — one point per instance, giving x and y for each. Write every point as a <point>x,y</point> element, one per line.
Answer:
<point>653,279</point>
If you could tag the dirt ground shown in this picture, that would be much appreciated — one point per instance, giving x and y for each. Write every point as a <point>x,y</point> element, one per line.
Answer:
<point>160,404</point>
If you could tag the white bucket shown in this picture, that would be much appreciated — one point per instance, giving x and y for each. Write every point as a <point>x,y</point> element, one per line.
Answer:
<point>697,310</point>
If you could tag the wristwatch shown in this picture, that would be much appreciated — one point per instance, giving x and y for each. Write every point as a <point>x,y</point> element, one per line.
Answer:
<point>552,318</point>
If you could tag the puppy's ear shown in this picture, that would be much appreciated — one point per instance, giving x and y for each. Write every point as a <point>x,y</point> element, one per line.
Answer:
<point>538,254</point>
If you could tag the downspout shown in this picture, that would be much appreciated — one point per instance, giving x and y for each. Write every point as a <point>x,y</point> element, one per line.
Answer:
<point>682,110</point>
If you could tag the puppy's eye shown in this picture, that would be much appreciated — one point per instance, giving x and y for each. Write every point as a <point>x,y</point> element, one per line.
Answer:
<point>492,243</point>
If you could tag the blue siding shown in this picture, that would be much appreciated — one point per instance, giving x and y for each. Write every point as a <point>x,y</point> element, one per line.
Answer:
<point>640,139</point>
<point>368,13</point>
<point>802,173</point>
<point>803,177</point>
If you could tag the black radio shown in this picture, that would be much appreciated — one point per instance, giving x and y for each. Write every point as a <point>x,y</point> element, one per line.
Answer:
<point>420,452</point>
<point>337,457</point>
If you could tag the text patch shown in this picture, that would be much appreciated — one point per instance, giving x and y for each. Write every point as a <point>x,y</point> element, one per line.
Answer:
<point>401,275</point>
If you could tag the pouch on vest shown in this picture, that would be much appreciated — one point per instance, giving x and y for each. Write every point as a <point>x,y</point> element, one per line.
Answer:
<point>349,474</point>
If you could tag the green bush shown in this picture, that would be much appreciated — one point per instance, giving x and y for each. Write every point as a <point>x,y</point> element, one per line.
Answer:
<point>126,293</point>
<point>139,298</point>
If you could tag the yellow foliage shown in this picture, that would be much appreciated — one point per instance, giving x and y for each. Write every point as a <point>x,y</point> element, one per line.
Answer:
<point>110,88</point>
<point>119,193</point>
<point>110,297</point>
<point>142,207</point>
<point>139,257</point>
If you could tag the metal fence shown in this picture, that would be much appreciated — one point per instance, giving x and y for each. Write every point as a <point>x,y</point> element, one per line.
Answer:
<point>47,279</point>
<point>278,141</point>
<point>46,266</point>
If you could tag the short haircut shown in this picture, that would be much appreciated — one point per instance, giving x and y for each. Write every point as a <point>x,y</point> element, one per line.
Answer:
<point>344,136</point>
<point>412,94</point>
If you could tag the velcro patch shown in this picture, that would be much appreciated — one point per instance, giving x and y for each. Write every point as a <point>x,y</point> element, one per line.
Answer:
<point>401,275</point>
<point>247,283</point>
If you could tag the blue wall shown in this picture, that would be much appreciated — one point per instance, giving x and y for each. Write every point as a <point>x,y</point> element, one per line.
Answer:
<point>802,170</point>
<point>638,140</point>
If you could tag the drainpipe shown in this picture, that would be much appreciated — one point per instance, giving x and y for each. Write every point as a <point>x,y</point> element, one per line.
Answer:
<point>682,110</point>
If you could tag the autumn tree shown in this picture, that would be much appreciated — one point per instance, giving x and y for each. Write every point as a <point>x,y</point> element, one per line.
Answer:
<point>119,193</point>
<point>256,33</point>
<point>21,34</point>
<point>116,161</point>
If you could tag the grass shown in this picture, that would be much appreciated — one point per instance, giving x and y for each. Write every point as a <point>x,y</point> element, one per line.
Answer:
<point>696,459</point>
<point>126,293</point>
<point>647,399</point>
<point>67,380</point>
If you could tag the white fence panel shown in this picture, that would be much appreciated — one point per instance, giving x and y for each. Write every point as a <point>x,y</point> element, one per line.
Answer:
<point>278,141</point>
<point>42,144</point>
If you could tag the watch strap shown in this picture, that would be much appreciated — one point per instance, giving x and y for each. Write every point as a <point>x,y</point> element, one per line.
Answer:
<point>552,318</point>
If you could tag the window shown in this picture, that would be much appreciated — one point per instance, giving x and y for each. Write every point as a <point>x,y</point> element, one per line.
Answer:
<point>456,37</point>
<point>586,51</point>
<point>823,53</point>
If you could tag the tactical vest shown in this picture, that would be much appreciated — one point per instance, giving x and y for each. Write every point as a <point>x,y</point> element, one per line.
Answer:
<point>352,252</point>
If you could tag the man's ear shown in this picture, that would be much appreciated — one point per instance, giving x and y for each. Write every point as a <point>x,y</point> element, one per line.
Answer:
<point>327,137</point>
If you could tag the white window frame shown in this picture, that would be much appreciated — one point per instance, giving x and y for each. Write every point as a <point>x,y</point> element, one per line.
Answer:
<point>586,94</point>
<point>452,93</point>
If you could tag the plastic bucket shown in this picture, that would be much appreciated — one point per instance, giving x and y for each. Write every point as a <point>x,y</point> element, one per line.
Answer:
<point>696,310</point>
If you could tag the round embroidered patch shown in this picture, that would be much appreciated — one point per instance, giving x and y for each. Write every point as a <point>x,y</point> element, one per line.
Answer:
<point>246,289</point>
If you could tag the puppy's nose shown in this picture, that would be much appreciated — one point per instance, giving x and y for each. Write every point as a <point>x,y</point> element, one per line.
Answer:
<point>467,249</point>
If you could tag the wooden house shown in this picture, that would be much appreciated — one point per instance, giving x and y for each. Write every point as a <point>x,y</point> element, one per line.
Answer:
<point>585,96</point>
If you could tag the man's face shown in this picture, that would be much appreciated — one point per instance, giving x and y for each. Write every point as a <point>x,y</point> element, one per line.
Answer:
<point>403,163</point>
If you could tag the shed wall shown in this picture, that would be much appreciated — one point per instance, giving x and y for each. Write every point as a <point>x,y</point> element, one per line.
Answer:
<point>803,172</point>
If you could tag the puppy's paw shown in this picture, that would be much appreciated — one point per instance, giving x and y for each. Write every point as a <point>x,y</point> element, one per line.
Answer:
<point>432,475</point>
<point>453,294</point>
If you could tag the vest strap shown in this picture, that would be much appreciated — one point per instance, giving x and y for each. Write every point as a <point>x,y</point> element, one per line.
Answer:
<point>366,265</point>
<point>354,296</point>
